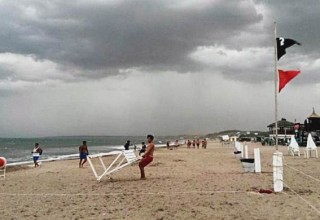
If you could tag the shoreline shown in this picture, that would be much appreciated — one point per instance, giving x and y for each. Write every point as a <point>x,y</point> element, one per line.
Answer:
<point>26,164</point>
<point>69,156</point>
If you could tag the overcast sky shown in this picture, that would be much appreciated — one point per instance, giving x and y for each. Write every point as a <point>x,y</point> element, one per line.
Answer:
<point>131,67</point>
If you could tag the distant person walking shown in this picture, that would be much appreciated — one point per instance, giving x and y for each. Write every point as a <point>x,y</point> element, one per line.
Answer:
<point>36,152</point>
<point>168,145</point>
<point>147,157</point>
<point>198,143</point>
<point>126,146</point>
<point>194,143</point>
<point>188,143</point>
<point>83,153</point>
<point>204,144</point>
<point>176,144</point>
<point>143,148</point>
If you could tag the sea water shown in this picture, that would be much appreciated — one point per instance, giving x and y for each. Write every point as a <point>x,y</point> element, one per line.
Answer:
<point>19,149</point>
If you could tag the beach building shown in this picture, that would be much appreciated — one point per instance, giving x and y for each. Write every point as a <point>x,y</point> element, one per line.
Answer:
<point>233,138</point>
<point>312,123</point>
<point>284,127</point>
<point>300,130</point>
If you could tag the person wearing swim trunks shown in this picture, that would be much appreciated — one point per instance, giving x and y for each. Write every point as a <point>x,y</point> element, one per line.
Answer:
<point>36,154</point>
<point>147,157</point>
<point>83,153</point>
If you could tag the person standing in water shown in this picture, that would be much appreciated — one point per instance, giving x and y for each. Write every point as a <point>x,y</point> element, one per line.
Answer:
<point>126,146</point>
<point>83,153</point>
<point>147,156</point>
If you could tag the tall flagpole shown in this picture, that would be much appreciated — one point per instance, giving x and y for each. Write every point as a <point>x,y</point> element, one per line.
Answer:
<point>276,83</point>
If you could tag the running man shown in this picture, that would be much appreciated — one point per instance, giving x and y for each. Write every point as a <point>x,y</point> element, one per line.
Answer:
<point>83,153</point>
<point>147,157</point>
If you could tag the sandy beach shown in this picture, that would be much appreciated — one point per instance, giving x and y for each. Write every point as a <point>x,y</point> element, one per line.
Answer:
<point>181,184</point>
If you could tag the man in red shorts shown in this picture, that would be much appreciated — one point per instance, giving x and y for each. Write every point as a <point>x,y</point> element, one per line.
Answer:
<point>147,157</point>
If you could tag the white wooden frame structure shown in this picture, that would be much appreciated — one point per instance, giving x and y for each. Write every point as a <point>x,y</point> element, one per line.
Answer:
<point>123,159</point>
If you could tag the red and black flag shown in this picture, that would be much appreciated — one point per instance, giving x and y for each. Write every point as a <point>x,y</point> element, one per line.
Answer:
<point>286,76</point>
<point>283,44</point>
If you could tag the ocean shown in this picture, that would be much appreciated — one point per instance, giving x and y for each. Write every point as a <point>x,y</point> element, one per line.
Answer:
<point>19,149</point>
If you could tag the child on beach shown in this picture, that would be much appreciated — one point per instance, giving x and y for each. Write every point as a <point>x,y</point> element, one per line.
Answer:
<point>83,153</point>
<point>147,157</point>
<point>36,152</point>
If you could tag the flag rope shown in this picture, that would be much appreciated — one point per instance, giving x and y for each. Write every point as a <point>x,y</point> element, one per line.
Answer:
<point>318,180</point>
<point>308,203</point>
<point>121,193</point>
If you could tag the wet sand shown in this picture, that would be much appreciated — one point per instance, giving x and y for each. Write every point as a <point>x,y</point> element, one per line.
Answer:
<point>181,184</point>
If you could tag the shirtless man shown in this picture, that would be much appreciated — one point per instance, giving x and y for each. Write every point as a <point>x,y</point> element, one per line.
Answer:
<point>147,157</point>
<point>83,153</point>
<point>36,154</point>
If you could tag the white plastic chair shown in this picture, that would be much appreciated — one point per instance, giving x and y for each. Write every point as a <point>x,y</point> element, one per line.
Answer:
<point>123,159</point>
<point>3,166</point>
<point>311,147</point>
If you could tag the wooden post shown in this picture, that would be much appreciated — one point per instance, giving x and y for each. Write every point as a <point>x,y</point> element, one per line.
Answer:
<point>257,161</point>
<point>276,80</point>
<point>241,149</point>
<point>246,151</point>
<point>277,172</point>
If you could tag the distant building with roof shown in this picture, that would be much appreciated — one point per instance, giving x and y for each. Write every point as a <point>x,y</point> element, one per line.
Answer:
<point>300,130</point>
<point>284,127</point>
<point>312,123</point>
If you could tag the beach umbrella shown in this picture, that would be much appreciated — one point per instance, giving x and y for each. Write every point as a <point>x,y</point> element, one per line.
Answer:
<point>310,142</point>
<point>293,143</point>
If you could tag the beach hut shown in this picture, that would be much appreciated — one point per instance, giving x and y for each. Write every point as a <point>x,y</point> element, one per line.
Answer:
<point>225,139</point>
<point>312,123</point>
<point>311,147</point>
<point>234,138</point>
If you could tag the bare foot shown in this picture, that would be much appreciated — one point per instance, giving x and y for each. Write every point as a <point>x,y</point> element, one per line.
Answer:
<point>143,178</point>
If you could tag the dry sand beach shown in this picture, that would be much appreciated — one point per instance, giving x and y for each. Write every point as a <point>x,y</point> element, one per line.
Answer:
<point>181,184</point>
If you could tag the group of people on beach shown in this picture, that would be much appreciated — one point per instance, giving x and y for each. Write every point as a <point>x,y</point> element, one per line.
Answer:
<point>196,142</point>
<point>142,149</point>
<point>146,153</point>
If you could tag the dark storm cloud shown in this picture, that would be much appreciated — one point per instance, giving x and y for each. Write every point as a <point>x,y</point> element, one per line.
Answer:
<point>97,36</point>
<point>298,20</point>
